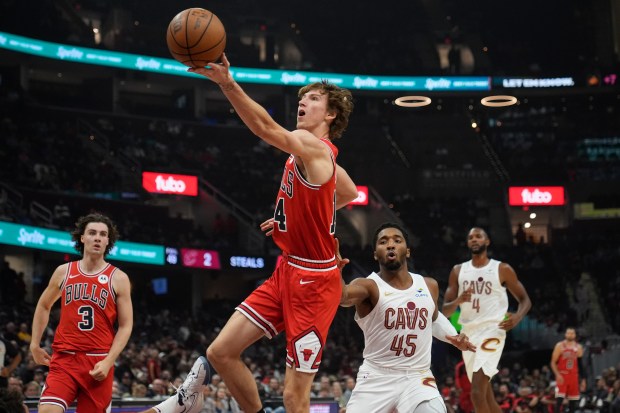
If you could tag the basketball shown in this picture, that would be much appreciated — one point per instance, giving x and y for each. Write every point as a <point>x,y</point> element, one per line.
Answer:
<point>196,37</point>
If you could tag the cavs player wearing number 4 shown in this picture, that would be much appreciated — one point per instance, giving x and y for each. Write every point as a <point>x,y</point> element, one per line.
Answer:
<point>478,287</point>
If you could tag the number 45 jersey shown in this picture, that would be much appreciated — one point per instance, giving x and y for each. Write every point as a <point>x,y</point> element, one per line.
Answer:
<point>489,301</point>
<point>88,311</point>
<point>305,214</point>
<point>398,331</point>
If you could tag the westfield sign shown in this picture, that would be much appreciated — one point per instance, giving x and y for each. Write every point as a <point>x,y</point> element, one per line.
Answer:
<point>536,195</point>
<point>170,183</point>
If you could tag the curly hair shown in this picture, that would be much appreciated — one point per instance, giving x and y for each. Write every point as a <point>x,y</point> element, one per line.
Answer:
<point>339,100</point>
<point>80,227</point>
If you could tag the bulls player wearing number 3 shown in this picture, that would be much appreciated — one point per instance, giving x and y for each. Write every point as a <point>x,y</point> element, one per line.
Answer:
<point>479,287</point>
<point>397,312</point>
<point>94,296</point>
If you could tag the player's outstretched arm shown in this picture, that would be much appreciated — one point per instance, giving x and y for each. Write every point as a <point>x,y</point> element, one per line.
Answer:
<point>300,142</point>
<point>356,292</point>
<point>442,328</point>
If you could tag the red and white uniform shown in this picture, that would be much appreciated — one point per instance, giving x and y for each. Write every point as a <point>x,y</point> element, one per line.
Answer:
<point>305,214</point>
<point>568,368</point>
<point>83,337</point>
<point>303,293</point>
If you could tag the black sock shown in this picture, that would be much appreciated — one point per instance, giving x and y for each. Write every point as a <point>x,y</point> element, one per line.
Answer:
<point>261,411</point>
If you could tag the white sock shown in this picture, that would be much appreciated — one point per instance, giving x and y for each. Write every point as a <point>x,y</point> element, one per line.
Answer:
<point>168,405</point>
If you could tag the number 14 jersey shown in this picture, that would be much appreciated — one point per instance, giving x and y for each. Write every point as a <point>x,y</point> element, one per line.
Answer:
<point>88,311</point>
<point>305,214</point>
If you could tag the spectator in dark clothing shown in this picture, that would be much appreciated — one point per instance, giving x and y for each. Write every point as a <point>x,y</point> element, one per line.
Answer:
<point>10,357</point>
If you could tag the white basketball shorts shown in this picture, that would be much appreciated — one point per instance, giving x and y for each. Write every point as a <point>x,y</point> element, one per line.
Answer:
<point>387,390</point>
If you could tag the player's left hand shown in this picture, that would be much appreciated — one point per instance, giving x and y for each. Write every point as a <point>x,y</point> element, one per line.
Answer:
<point>509,322</point>
<point>267,227</point>
<point>461,341</point>
<point>340,262</point>
<point>100,370</point>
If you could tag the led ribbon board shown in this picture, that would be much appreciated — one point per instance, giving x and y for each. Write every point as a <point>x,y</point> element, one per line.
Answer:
<point>51,240</point>
<point>166,66</point>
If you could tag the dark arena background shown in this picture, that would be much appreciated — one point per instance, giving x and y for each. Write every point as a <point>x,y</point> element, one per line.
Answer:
<point>96,116</point>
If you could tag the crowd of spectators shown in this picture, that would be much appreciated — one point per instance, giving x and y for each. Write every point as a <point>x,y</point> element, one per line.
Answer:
<point>165,344</point>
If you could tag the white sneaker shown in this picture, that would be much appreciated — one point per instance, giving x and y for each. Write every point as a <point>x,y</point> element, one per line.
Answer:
<point>189,397</point>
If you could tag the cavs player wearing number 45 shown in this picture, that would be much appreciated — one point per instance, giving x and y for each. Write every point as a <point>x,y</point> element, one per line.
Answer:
<point>397,312</point>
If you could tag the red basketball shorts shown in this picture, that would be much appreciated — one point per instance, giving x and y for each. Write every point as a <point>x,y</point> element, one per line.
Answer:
<point>570,388</point>
<point>68,380</point>
<point>301,298</point>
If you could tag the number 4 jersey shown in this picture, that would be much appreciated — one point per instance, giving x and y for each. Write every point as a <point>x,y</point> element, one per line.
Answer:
<point>489,301</point>
<point>88,311</point>
<point>305,214</point>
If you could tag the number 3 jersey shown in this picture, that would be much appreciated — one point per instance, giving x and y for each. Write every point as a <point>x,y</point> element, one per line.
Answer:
<point>398,331</point>
<point>489,301</point>
<point>305,214</point>
<point>88,311</point>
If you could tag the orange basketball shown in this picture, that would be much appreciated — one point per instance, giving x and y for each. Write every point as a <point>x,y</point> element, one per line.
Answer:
<point>196,37</point>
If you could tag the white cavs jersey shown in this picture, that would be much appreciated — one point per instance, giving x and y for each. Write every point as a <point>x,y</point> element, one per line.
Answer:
<point>398,331</point>
<point>489,301</point>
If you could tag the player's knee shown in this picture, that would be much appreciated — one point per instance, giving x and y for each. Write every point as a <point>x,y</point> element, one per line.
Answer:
<point>293,401</point>
<point>216,355</point>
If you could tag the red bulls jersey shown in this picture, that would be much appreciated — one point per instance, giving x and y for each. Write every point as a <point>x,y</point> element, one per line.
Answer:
<point>567,362</point>
<point>88,311</point>
<point>305,214</point>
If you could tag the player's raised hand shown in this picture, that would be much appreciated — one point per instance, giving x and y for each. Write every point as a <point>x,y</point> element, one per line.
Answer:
<point>218,72</point>
<point>267,227</point>
<point>461,341</point>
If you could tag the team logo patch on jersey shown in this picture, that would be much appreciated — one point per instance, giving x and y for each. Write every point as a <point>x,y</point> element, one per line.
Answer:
<point>420,293</point>
<point>103,279</point>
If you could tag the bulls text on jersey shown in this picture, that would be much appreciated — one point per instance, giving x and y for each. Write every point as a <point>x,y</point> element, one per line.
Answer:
<point>79,291</point>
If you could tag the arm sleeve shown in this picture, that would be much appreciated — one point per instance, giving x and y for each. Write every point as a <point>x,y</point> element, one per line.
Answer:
<point>442,328</point>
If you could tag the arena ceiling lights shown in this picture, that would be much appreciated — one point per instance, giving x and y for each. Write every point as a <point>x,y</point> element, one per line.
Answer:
<point>498,101</point>
<point>412,101</point>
